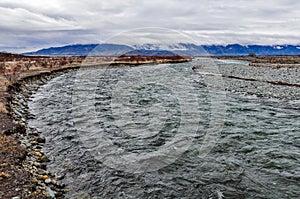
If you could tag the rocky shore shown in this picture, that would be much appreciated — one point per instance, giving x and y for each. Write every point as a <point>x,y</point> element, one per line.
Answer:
<point>267,77</point>
<point>21,147</point>
<point>275,61</point>
<point>264,81</point>
<point>23,164</point>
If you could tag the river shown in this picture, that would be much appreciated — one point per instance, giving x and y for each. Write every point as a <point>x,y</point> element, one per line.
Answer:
<point>163,131</point>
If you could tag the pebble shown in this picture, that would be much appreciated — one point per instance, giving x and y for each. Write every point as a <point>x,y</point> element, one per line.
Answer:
<point>38,147</point>
<point>50,192</point>
<point>43,166</point>
<point>36,164</point>
<point>60,176</point>
<point>41,140</point>
<point>48,180</point>
<point>33,133</point>
<point>44,177</point>
<point>60,185</point>
<point>42,172</point>
<point>45,159</point>
<point>5,175</point>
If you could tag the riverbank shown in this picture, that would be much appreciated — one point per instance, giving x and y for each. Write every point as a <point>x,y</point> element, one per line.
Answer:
<point>267,77</point>
<point>23,165</point>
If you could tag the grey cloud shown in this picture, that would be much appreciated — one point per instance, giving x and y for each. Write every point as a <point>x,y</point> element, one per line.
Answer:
<point>33,24</point>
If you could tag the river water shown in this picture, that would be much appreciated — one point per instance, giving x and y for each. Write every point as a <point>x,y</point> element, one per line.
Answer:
<point>163,131</point>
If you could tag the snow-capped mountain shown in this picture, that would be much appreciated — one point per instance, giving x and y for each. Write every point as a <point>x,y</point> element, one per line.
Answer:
<point>179,49</point>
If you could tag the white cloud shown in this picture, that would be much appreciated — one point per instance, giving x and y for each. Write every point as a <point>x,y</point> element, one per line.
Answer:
<point>33,24</point>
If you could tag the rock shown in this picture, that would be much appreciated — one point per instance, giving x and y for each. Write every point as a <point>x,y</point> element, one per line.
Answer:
<point>16,197</point>
<point>48,180</point>
<point>45,159</point>
<point>60,185</point>
<point>23,146</point>
<point>5,175</point>
<point>42,172</point>
<point>18,113</point>
<point>26,95</point>
<point>54,182</point>
<point>50,193</point>
<point>44,177</point>
<point>38,147</point>
<point>59,194</point>
<point>36,164</point>
<point>60,177</point>
<point>43,166</point>
<point>39,155</point>
<point>34,133</point>
<point>21,129</point>
<point>30,116</point>
<point>41,140</point>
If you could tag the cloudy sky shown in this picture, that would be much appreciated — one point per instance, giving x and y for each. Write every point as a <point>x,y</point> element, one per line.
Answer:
<point>33,24</point>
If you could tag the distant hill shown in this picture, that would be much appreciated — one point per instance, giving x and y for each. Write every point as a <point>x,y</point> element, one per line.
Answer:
<point>162,50</point>
<point>70,50</point>
<point>236,49</point>
<point>84,50</point>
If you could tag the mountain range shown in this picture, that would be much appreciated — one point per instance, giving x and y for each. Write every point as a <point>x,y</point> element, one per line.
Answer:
<point>183,49</point>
